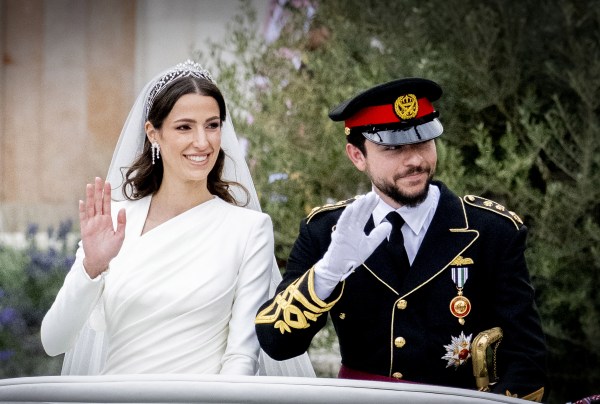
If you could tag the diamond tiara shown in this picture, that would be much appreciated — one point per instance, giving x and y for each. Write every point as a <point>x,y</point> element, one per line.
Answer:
<point>185,69</point>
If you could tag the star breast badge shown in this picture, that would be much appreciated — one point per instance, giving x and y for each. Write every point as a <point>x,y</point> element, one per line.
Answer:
<point>458,351</point>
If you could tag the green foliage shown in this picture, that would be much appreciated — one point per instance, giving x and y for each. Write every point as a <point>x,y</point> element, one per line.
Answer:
<point>520,111</point>
<point>29,281</point>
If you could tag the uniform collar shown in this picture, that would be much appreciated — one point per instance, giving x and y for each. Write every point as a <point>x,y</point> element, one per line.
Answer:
<point>414,217</point>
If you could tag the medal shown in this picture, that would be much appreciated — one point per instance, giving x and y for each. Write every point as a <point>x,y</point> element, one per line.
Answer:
<point>458,351</point>
<point>460,306</point>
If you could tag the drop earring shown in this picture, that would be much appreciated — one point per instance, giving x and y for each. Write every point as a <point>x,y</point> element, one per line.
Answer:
<point>155,151</point>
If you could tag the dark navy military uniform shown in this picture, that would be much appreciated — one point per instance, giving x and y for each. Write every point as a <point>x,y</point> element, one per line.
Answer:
<point>399,324</point>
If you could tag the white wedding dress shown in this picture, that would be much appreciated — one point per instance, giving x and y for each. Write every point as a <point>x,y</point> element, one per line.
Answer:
<point>180,298</point>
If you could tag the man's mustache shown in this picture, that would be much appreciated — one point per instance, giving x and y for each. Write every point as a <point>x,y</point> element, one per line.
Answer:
<point>412,171</point>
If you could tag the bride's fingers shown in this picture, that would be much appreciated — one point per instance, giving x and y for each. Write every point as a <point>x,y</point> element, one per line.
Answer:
<point>89,200</point>
<point>106,200</point>
<point>121,221</point>
<point>82,215</point>
<point>98,195</point>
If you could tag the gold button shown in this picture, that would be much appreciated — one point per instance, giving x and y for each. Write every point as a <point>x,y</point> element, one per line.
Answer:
<point>397,375</point>
<point>401,305</point>
<point>399,342</point>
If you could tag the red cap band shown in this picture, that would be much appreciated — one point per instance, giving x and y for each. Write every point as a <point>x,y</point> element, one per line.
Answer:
<point>382,114</point>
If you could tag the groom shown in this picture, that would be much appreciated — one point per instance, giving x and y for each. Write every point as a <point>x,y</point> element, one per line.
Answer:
<point>410,273</point>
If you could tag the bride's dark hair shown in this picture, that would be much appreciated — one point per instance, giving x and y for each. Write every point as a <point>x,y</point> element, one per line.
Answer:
<point>144,178</point>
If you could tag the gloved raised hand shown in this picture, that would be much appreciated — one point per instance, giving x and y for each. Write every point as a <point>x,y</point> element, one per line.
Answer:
<point>349,246</point>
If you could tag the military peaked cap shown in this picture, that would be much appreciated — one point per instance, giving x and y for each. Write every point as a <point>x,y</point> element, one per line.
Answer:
<point>394,113</point>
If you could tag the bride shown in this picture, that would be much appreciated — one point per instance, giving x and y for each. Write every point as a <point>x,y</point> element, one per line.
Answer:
<point>175,256</point>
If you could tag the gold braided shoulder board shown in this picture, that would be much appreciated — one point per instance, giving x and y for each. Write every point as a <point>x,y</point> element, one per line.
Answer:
<point>328,207</point>
<point>492,206</point>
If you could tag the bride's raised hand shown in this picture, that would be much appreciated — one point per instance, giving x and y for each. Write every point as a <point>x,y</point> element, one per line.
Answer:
<point>101,242</point>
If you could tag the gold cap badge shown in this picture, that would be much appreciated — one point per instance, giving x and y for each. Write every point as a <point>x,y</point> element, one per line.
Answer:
<point>406,106</point>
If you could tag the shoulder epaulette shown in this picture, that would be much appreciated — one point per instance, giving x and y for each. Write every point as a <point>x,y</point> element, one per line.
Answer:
<point>328,207</point>
<point>492,206</point>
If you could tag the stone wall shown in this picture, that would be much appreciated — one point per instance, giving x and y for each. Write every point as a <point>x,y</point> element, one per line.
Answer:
<point>66,85</point>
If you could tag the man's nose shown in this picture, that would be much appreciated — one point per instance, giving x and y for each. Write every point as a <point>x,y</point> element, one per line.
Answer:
<point>412,155</point>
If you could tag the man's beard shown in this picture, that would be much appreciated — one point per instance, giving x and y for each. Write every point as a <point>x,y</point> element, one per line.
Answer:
<point>395,193</point>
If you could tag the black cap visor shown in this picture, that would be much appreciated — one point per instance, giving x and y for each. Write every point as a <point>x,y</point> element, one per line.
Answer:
<point>399,136</point>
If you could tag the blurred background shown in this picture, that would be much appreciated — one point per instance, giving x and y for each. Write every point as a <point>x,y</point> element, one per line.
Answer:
<point>520,109</point>
<point>71,70</point>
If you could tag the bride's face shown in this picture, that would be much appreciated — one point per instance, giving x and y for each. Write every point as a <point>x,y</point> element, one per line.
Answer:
<point>190,138</point>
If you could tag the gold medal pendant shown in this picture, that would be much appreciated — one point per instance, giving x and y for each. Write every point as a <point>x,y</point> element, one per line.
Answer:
<point>460,307</point>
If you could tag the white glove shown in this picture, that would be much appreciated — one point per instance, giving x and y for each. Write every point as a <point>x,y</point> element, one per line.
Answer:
<point>350,246</point>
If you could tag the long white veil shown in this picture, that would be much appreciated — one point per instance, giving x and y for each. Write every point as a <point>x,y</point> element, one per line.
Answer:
<point>89,351</point>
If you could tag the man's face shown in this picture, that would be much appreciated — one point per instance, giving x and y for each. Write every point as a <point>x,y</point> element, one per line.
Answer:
<point>400,174</point>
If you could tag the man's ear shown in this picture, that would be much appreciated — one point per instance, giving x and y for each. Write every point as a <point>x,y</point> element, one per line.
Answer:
<point>356,156</point>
